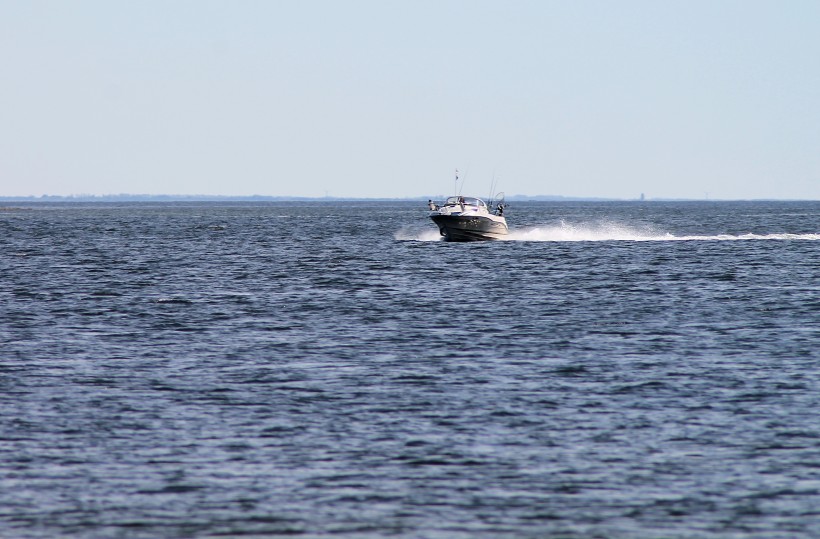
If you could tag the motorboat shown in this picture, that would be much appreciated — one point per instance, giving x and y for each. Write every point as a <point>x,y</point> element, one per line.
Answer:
<point>469,219</point>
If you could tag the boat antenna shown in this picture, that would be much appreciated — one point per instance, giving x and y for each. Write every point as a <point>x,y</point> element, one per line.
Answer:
<point>455,187</point>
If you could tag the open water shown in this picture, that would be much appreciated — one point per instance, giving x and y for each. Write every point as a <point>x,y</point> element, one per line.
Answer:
<point>616,370</point>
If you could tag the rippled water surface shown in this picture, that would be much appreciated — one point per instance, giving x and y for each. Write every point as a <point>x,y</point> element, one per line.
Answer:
<point>615,370</point>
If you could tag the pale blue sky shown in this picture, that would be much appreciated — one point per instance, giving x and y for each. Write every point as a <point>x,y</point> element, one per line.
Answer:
<point>387,98</point>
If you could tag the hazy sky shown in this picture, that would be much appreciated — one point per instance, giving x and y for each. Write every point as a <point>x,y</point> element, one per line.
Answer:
<point>386,98</point>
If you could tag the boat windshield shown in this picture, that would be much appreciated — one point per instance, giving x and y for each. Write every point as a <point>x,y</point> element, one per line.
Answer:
<point>468,201</point>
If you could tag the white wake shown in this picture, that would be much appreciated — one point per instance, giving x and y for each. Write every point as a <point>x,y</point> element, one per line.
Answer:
<point>617,232</point>
<point>568,232</point>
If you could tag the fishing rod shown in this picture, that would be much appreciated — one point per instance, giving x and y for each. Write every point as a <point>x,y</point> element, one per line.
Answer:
<point>491,196</point>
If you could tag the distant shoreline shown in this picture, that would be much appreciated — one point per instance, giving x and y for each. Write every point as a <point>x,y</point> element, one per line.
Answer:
<point>262,198</point>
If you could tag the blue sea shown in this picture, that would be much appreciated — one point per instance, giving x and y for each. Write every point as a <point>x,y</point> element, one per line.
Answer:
<point>614,370</point>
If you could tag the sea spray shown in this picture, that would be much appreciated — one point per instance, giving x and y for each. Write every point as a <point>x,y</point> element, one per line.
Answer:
<point>601,231</point>
<point>416,234</point>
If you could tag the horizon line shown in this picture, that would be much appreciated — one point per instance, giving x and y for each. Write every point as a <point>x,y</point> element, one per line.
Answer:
<point>132,197</point>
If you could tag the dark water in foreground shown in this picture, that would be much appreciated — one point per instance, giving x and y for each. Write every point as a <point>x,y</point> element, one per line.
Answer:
<point>619,370</point>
